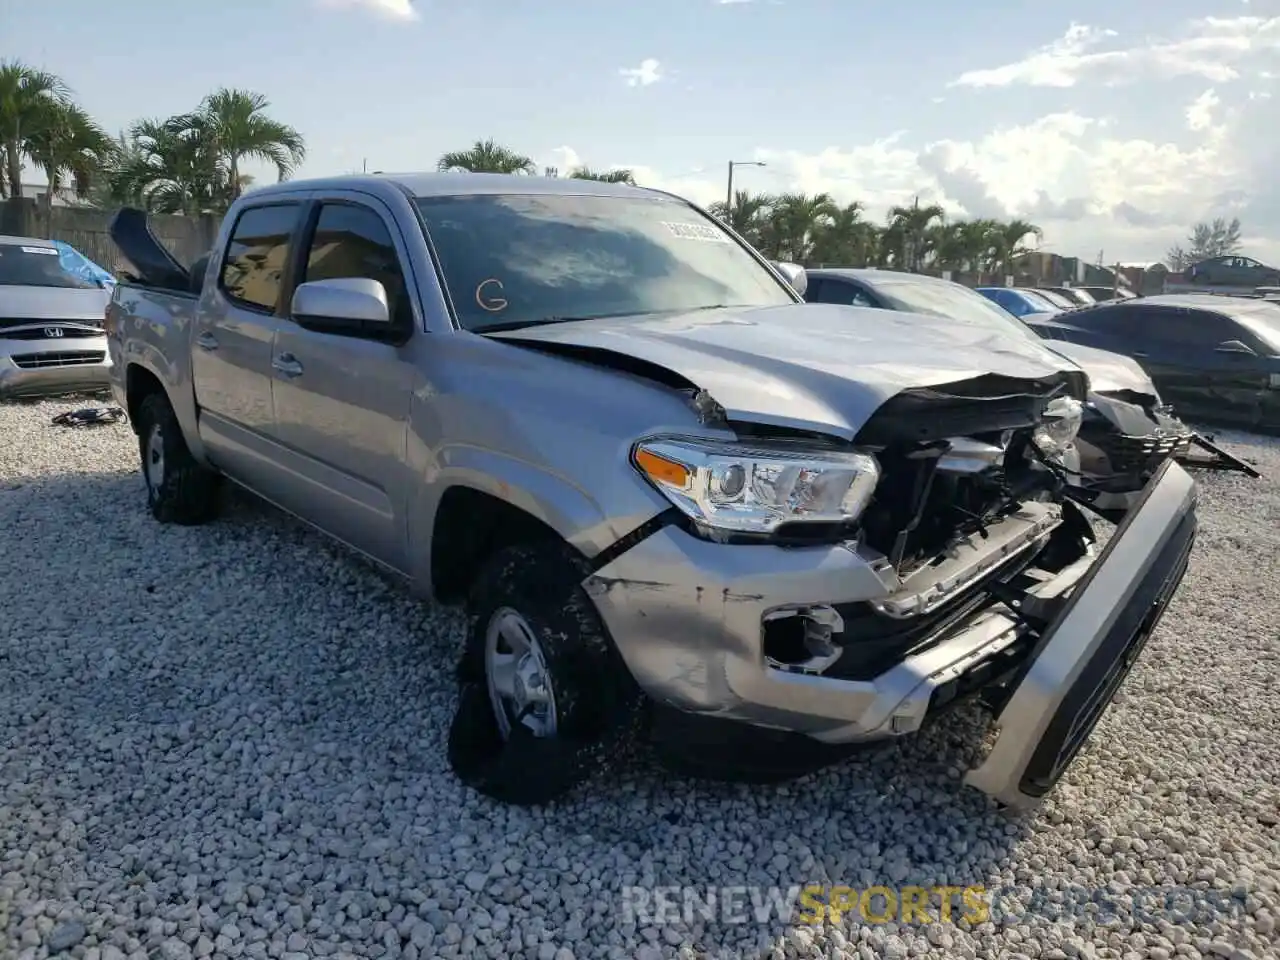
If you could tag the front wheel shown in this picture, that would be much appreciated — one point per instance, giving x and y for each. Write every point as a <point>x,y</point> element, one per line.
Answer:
<point>545,700</point>
<point>179,490</point>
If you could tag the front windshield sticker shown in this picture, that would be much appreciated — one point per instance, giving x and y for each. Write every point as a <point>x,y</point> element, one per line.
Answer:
<point>695,231</point>
<point>47,250</point>
<point>485,299</point>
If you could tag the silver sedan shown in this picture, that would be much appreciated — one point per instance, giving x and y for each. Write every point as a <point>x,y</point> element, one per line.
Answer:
<point>52,302</point>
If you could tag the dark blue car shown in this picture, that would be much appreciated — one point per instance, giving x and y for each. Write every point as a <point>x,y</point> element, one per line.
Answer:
<point>1216,359</point>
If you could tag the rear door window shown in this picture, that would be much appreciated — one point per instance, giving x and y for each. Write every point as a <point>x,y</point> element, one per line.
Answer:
<point>257,255</point>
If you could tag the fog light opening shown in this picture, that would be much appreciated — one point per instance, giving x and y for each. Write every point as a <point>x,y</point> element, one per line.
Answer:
<point>802,639</point>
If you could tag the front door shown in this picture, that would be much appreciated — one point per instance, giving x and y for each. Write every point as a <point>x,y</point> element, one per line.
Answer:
<point>342,403</point>
<point>1192,370</point>
<point>235,324</point>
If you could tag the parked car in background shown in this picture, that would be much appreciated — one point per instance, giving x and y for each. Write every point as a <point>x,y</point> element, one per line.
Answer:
<point>1232,271</point>
<point>1019,301</point>
<point>1215,358</point>
<point>1101,293</point>
<point>73,261</point>
<point>51,312</point>
<point>1059,300</point>
<point>660,482</point>
<point>1077,295</point>
<point>1128,431</point>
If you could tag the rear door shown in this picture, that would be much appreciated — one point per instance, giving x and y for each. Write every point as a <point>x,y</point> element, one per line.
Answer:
<point>234,326</point>
<point>342,402</point>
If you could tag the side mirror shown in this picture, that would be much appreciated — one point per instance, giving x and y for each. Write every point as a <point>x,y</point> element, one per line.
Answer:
<point>794,274</point>
<point>1234,346</point>
<point>350,305</point>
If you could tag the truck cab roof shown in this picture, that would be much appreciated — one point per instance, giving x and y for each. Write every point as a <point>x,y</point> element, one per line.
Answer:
<point>454,183</point>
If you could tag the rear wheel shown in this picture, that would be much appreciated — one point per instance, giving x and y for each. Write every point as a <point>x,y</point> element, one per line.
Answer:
<point>545,700</point>
<point>179,490</point>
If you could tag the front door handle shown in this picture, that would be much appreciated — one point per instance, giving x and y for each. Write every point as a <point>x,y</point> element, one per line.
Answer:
<point>207,341</point>
<point>1138,356</point>
<point>287,365</point>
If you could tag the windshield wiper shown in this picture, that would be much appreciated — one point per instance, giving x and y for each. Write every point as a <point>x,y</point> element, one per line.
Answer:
<point>537,322</point>
<point>541,321</point>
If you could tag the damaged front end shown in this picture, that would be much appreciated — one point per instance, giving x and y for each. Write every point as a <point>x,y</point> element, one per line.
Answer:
<point>946,576</point>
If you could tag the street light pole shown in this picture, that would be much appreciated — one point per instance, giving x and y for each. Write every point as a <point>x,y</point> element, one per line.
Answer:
<point>728,199</point>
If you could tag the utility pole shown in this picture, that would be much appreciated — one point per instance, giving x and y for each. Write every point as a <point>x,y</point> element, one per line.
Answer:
<point>364,165</point>
<point>728,198</point>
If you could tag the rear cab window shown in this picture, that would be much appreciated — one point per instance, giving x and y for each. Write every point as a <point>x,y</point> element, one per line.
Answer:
<point>257,255</point>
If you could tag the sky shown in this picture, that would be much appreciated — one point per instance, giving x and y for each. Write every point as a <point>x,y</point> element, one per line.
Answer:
<point>1114,126</point>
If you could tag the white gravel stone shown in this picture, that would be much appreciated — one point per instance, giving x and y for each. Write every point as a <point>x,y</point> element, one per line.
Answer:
<point>228,741</point>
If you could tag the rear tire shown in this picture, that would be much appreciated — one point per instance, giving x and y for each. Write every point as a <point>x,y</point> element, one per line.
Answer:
<point>179,490</point>
<point>581,707</point>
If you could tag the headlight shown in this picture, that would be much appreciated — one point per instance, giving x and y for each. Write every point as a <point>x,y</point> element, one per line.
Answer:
<point>756,489</point>
<point>1056,433</point>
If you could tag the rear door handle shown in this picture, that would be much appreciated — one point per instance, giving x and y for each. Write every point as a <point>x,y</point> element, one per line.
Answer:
<point>207,341</point>
<point>287,365</point>
<point>1140,356</point>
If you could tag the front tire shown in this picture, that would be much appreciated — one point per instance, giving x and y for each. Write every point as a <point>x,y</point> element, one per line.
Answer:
<point>545,700</point>
<point>179,490</point>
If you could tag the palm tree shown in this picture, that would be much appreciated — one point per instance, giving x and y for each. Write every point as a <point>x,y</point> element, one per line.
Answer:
<point>620,175</point>
<point>29,99</point>
<point>794,220</point>
<point>168,169</point>
<point>1009,245</point>
<point>845,239</point>
<point>487,156</point>
<point>910,227</point>
<point>69,143</point>
<point>747,216</point>
<point>233,124</point>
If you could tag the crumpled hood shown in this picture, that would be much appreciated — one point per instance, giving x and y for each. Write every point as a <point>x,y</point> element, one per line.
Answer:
<point>807,366</point>
<point>1108,372</point>
<point>52,303</point>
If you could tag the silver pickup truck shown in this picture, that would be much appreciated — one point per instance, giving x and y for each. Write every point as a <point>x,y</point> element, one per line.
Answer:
<point>671,495</point>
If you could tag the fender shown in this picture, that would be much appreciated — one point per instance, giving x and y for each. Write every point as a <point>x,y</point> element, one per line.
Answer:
<point>555,500</point>
<point>174,373</point>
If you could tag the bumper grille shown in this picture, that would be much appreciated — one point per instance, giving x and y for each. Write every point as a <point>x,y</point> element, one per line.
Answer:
<point>62,358</point>
<point>1138,455</point>
<point>38,333</point>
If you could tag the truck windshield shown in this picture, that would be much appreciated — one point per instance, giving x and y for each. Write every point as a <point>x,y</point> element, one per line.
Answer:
<point>510,260</point>
<point>39,266</point>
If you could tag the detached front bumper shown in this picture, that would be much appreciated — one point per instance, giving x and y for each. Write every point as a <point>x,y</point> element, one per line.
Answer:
<point>692,619</point>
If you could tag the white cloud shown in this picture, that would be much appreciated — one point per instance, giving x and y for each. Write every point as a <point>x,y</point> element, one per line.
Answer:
<point>1083,181</point>
<point>1200,110</point>
<point>564,159</point>
<point>388,9</point>
<point>1214,48</point>
<point>1079,173</point>
<point>649,72</point>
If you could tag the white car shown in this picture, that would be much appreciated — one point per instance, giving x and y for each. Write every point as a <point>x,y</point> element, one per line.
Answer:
<point>52,303</point>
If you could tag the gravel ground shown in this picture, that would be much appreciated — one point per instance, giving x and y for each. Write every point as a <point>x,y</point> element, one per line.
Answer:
<point>228,742</point>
